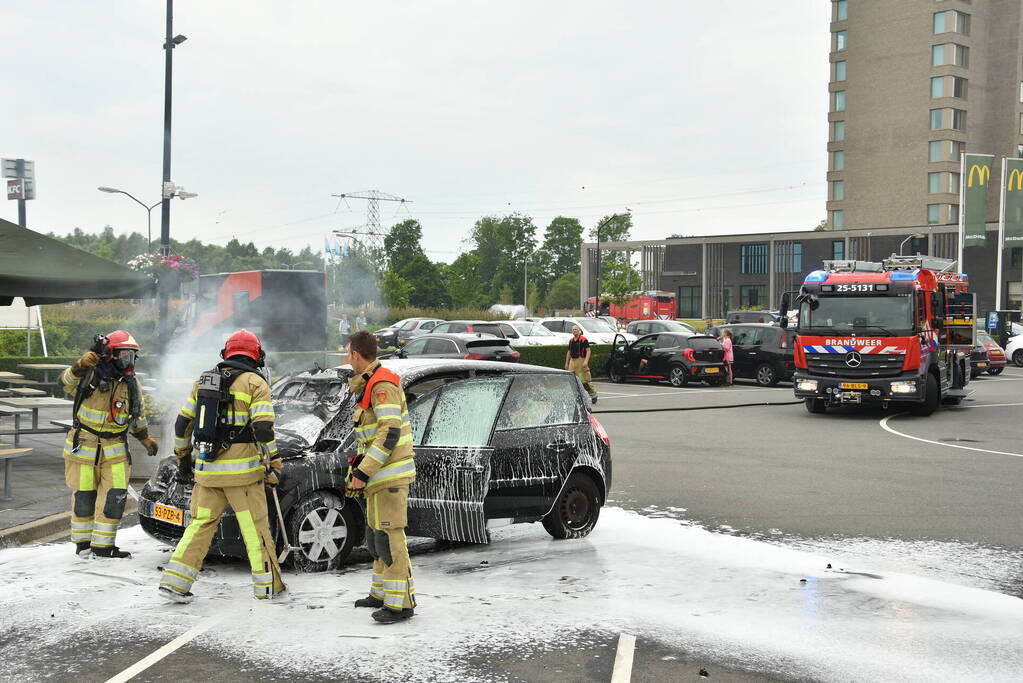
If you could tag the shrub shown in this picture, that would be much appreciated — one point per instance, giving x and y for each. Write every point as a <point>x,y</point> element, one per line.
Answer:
<point>554,357</point>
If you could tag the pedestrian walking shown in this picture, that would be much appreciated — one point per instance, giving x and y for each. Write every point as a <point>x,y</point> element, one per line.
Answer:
<point>97,466</point>
<point>360,321</point>
<point>709,328</point>
<point>345,329</point>
<point>234,435</point>
<point>382,471</point>
<point>726,344</point>
<point>577,359</point>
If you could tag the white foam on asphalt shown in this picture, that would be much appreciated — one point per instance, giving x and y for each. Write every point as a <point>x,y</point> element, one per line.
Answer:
<point>736,601</point>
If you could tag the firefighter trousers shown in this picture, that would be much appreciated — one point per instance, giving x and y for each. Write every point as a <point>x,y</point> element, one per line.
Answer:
<point>582,371</point>
<point>99,493</point>
<point>207,507</point>
<point>387,517</point>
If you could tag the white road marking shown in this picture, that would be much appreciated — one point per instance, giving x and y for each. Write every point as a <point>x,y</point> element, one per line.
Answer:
<point>622,672</point>
<point>884,426</point>
<point>146,662</point>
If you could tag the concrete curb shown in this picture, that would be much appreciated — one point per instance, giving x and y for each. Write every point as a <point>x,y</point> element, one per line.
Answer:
<point>30,532</point>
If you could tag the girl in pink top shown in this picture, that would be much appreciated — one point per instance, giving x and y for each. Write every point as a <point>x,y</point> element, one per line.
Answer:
<point>726,344</point>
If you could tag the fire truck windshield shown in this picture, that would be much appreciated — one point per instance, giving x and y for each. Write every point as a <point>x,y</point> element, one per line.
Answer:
<point>880,315</point>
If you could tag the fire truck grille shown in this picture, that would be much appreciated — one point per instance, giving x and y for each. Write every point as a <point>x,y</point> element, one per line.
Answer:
<point>834,365</point>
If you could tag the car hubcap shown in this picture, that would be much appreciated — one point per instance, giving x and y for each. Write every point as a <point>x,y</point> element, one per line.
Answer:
<point>322,534</point>
<point>575,509</point>
<point>676,375</point>
<point>765,375</point>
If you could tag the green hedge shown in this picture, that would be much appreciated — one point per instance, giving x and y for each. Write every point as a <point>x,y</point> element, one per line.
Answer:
<point>554,356</point>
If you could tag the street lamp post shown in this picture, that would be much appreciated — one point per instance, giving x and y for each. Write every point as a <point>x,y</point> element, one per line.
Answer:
<point>525,280</point>
<point>149,212</point>
<point>903,243</point>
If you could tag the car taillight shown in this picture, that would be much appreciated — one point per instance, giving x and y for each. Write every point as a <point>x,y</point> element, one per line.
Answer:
<point>690,356</point>
<point>599,430</point>
<point>515,355</point>
<point>474,356</point>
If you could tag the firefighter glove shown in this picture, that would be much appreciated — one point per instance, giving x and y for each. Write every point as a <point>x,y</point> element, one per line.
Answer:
<point>271,479</point>
<point>89,359</point>
<point>150,444</point>
<point>184,469</point>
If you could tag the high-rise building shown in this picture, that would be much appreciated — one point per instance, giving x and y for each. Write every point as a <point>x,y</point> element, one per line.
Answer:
<point>912,83</point>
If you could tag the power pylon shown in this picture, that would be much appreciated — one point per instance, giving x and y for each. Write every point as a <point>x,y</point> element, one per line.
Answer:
<point>373,235</point>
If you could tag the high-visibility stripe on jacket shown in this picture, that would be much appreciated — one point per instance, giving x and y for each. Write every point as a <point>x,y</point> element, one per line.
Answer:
<point>104,411</point>
<point>382,429</point>
<point>240,463</point>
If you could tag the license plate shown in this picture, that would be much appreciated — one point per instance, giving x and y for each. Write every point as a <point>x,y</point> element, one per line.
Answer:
<point>710,371</point>
<point>981,365</point>
<point>854,385</point>
<point>169,514</point>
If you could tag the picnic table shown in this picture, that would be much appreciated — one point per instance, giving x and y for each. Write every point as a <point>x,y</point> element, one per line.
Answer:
<point>10,375</point>
<point>45,368</point>
<point>34,403</point>
<point>7,454</point>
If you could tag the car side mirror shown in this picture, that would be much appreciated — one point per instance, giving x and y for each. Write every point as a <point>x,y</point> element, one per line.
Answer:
<point>784,308</point>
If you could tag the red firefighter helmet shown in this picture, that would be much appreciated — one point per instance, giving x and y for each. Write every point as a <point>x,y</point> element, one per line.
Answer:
<point>119,339</point>
<point>124,350</point>
<point>243,343</point>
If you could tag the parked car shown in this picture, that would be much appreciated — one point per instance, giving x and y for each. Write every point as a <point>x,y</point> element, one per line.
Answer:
<point>415,327</point>
<point>986,356</point>
<point>769,317</point>
<point>461,326</point>
<point>676,357</point>
<point>763,352</point>
<point>525,333</point>
<point>612,322</point>
<point>641,327</point>
<point>464,346</point>
<point>494,443</point>
<point>1014,349</point>
<point>596,331</point>
<point>387,337</point>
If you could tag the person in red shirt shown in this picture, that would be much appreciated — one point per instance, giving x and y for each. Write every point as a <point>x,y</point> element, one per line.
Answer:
<point>577,359</point>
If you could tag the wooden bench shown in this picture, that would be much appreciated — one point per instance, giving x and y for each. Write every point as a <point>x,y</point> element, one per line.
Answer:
<point>26,391</point>
<point>20,382</point>
<point>7,453</point>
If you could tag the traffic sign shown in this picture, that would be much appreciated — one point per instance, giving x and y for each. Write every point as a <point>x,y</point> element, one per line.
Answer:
<point>16,189</point>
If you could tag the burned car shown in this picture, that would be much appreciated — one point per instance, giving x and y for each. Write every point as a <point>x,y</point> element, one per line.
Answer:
<point>495,443</point>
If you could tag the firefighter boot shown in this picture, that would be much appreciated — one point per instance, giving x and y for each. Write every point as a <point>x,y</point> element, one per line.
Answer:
<point>174,596</point>
<point>369,601</point>
<point>390,616</point>
<point>82,548</point>
<point>111,551</point>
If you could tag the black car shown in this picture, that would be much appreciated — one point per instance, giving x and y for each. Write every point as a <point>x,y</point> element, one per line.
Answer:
<point>762,352</point>
<point>676,357</point>
<point>477,346</point>
<point>463,326</point>
<point>768,317</point>
<point>394,335</point>
<point>495,443</point>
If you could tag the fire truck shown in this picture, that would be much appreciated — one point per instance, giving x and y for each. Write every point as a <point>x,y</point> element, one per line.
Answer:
<point>895,332</point>
<point>642,306</point>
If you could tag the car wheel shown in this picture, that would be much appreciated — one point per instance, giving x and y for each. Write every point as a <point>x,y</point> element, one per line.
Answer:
<point>615,373</point>
<point>816,406</point>
<point>325,527</point>
<point>932,397</point>
<point>994,371</point>
<point>1017,358</point>
<point>766,375</point>
<point>677,376</point>
<point>576,511</point>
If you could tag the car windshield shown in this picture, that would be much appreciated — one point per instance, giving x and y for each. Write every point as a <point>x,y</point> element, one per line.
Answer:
<point>703,343</point>
<point>408,324</point>
<point>875,315</point>
<point>984,338</point>
<point>529,329</point>
<point>591,325</point>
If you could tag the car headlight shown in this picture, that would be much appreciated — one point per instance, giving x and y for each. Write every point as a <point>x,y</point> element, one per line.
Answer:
<point>904,387</point>
<point>807,385</point>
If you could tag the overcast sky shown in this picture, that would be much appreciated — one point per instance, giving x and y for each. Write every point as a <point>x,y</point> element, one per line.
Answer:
<point>702,117</point>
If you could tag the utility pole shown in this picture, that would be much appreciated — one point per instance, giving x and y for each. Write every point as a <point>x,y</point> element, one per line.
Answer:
<point>373,199</point>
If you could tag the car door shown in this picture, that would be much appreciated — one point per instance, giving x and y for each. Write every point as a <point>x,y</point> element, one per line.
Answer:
<point>451,431</point>
<point>438,347</point>
<point>643,348</point>
<point>509,331</point>
<point>416,347</point>
<point>665,349</point>
<point>751,352</point>
<point>537,440</point>
<point>740,340</point>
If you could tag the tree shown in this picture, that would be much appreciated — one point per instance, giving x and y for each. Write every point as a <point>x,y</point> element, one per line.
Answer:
<point>502,245</point>
<point>464,283</point>
<point>424,277</point>
<point>534,302</point>
<point>823,225</point>
<point>615,229</point>
<point>403,243</point>
<point>564,293</point>
<point>507,295</point>
<point>562,243</point>
<point>620,281</point>
<point>394,290</point>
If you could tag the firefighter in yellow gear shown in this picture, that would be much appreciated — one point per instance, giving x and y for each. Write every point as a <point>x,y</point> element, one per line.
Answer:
<point>577,360</point>
<point>108,405</point>
<point>383,470</point>
<point>232,473</point>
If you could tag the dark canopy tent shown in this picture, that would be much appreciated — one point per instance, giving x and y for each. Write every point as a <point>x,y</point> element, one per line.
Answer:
<point>43,270</point>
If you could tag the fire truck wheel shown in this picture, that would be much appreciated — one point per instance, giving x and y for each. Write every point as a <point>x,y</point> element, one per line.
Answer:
<point>932,397</point>
<point>816,405</point>
<point>995,371</point>
<point>766,375</point>
<point>677,376</point>
<point>1017,358</point>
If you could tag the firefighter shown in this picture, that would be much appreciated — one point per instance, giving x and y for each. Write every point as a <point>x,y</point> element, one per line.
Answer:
<point>108,403</point>
<point>231,470</point>
<point>383,470</point>
<point>577,359</point>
